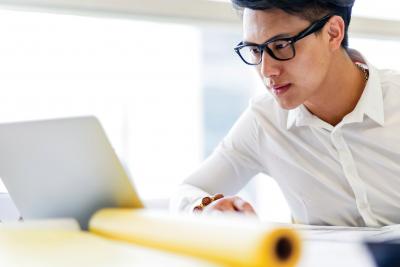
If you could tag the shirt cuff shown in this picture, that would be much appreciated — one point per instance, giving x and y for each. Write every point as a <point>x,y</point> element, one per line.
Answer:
<point>186,198</point>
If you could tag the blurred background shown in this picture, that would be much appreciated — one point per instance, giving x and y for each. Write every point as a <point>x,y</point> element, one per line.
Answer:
<point>161,75</point>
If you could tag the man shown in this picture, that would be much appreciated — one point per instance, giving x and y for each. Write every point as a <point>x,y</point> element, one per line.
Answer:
<point>328,132</point>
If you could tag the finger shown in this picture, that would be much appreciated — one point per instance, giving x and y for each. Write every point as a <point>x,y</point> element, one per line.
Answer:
<point>243,206</point>
<point>221,205</point>
<point>225,205</point>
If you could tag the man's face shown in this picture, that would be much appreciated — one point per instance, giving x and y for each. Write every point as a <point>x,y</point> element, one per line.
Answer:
<point>298,80</point>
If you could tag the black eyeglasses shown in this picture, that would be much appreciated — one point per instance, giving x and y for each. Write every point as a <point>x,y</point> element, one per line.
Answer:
<point>278,48</point>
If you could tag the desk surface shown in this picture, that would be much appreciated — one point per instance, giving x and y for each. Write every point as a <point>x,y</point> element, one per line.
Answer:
<point>25,248</point>
<point>334,254</point>
<point>49,248</point>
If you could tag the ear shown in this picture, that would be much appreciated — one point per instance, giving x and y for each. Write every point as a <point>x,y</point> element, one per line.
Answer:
<point>336,30</point>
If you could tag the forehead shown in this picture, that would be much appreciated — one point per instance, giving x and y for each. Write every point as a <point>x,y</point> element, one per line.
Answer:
<point>261,25</point>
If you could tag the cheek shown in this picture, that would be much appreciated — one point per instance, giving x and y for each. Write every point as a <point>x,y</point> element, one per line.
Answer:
<point>308,70</point>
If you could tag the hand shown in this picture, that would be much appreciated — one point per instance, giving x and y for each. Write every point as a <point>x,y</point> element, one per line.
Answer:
<point>230,204</point>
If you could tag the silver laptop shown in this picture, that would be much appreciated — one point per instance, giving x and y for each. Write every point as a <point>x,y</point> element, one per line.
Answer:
<point>62,168</point>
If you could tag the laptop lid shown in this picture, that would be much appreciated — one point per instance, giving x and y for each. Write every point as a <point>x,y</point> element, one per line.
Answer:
<point>62,168</point>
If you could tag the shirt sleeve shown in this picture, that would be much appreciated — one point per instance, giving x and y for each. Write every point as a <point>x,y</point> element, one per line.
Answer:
<point>230,167</point>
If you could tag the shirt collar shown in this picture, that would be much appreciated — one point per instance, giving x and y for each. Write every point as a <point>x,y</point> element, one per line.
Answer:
<point>370,104</point>
<point>373,98</point>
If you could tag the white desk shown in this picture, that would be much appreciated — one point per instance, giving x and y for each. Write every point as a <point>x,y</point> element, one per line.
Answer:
<point>334,254</point>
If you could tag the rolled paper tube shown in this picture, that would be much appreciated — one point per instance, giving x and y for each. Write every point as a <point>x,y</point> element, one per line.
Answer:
<point>228,240</point>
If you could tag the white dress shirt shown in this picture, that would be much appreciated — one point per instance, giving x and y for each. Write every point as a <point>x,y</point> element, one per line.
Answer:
<point>348,174</point>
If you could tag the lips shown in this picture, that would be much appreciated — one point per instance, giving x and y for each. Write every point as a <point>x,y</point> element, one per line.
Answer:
<point>281,89</point>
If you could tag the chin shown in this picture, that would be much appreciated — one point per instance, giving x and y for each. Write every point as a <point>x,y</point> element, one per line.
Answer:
<point>288,105</point>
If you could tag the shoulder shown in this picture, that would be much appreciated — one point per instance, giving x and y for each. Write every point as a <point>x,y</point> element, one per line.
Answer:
<point>390,84</point>
<point>247,127</point>
<point>389,78</point>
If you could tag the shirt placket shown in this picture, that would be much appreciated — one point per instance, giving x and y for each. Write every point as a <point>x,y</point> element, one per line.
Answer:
<point>350,171</point>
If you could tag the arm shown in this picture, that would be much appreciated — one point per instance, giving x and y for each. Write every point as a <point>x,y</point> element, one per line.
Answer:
<point>234,162</point>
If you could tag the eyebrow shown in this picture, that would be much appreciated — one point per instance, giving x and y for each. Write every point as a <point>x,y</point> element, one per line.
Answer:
<point>276,37</point>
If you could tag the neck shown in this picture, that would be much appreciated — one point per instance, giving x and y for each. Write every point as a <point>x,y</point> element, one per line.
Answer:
<point>340,91</point>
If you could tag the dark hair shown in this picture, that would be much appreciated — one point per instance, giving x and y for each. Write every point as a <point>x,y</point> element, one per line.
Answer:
<point>310,10</point>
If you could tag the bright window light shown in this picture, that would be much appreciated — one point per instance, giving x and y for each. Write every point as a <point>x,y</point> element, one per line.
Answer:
<point>382,9</point>
<point>378,52</point>
<point>141,79</point>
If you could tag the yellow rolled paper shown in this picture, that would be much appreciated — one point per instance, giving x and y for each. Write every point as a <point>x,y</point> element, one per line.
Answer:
<point>228,240</point>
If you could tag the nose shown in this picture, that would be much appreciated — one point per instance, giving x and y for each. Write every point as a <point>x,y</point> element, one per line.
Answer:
<point>269,66</point>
